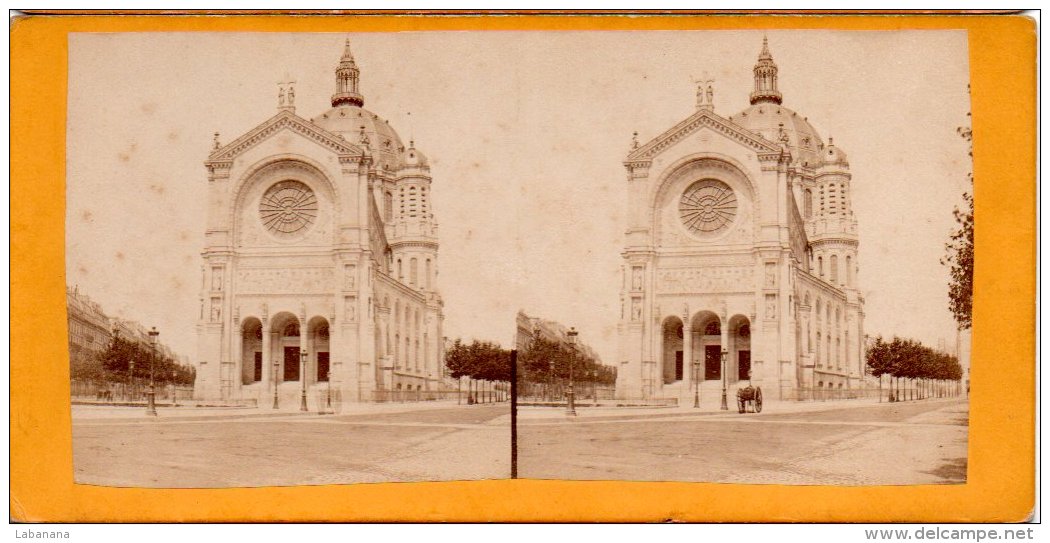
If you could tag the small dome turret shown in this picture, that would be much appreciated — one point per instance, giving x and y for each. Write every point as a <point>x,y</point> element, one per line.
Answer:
<point>414,158</point>
<point>833,156</point>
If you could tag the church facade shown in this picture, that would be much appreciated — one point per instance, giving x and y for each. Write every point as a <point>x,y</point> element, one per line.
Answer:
<point>740,262</point>
<point>320,259</point>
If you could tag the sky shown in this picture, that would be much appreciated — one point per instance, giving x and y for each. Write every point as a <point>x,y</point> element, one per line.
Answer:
<point>526,133</point>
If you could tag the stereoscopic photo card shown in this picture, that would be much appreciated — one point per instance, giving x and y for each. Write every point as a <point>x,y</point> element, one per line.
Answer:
<point>707,269</point>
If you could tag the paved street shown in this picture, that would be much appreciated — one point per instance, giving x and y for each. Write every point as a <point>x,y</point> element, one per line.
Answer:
<point>241,448</point>
<point>847,443</point>
<point>923,442</point>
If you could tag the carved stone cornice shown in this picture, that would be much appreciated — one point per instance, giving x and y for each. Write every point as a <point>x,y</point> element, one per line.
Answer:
<point>398,244</point>
<point>282,120</point>
<point>218,169</point>
<point>702,118</point>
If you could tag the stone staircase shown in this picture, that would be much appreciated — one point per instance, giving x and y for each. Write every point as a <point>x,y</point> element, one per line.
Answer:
<point>710,393</point>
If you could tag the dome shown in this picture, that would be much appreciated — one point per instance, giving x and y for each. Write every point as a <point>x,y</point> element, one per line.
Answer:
<point>346,120</point>
<point>766,118</point>
<point>835,156</point>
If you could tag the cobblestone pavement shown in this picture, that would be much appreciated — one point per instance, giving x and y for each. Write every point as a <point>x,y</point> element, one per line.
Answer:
<point>921,442</point>
<point>436,444</point>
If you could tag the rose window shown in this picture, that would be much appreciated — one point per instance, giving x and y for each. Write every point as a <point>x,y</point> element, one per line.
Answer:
<point>707,206</point>
<point>288,208</point>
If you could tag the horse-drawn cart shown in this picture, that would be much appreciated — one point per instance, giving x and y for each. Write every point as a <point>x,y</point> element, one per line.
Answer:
<point>749,396</point>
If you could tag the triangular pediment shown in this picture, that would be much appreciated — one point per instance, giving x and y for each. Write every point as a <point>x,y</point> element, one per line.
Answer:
<point>277,123</point>
<point>695,122</point>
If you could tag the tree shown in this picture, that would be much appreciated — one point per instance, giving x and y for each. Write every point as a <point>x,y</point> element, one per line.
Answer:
<point>480,360</point>
<point>122,357</point>
<point>959,257</point>
<point>85,365</point>
<point>543,359</point>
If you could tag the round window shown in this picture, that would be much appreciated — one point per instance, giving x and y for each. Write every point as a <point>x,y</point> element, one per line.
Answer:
<point>707,206</point>
<point>288,208</point>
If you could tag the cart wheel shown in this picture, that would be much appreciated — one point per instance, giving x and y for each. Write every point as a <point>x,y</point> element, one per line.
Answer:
<point>758,400</point>
<point>742,405</point>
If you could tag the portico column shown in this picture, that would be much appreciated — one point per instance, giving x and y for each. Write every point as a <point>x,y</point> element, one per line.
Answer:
<point>303,348</point>
<point>724,340</point>
<point>687,349</point>
<point>238,358</point>
<point>268,376</point>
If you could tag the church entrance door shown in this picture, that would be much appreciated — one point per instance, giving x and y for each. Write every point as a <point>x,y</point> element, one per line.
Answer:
<point>678,366</point>
<point>712,362</point>
<point>291,363</point>
<point>744,363</point>
<point>322,366</point>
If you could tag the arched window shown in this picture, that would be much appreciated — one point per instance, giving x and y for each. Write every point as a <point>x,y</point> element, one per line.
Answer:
<point>809,203</point>
<point>400,272</point>
<point>834,269</point>
<point>818,350</point>
<point>820,266</point>
<point>428,274</point>
<point>712,329</point>
<point>849,271</point>
<point>388,207</point>
<point>413,268</point>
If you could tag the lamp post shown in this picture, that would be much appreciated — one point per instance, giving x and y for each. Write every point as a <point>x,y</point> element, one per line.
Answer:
<point>570,409</point>
<point>594,386</point>
<point>174,389</point>
<point>328,398</point>
<point>131,363</point>
<point>276,364</point>
<point>302,380</point>
<point>550,380</point>
<point>725,404</point>
<point>696,384</point>
<point>151,406</point>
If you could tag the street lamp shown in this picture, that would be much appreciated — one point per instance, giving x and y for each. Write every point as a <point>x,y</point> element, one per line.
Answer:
<point>151,406</point>
<point>725,404</point>
<point>276,363</point>
<point>302,380</point>
<point>174,389</point>
<point>571,407</point>
<point>550,381</point>
<point>696,384</point>
<point>131,375</point>
<point>328,399</point>
<point>594,386</point>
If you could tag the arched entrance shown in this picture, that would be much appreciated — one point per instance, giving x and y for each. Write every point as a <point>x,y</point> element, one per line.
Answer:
<point>673,363</point>
<point>740,347</point>
<point>317,346</point>
<point>706,333</point>
<point>251,351</point>
<point>284,350</point>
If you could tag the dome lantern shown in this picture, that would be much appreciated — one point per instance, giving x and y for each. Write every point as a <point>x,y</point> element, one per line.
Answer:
<point>766,78</point>
<point>347,77</point>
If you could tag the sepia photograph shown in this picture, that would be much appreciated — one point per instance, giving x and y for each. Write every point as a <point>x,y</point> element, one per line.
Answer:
<point>700,256</point>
